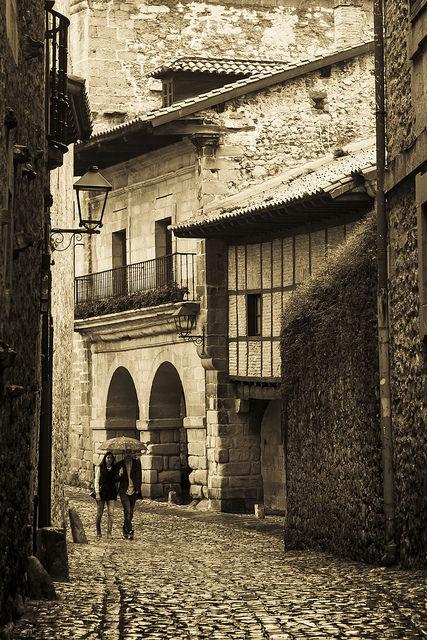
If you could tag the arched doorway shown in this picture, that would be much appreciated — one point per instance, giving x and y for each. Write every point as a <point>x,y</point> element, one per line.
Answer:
<point>166,412</point>
<point>273,458</point>
<point>122,410</point>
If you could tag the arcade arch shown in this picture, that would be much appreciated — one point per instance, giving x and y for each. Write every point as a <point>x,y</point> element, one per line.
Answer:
<point>167,409</point>
<point>122,410</point>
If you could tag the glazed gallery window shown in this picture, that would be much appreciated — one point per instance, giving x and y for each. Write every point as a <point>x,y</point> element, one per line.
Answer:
<point>254,314</point>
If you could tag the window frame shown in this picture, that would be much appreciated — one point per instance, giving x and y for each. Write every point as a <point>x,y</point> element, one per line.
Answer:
<point>254,315</point>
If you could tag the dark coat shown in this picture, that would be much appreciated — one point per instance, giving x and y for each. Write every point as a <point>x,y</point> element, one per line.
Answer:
<point>107,483</point>
<point>135,474</point>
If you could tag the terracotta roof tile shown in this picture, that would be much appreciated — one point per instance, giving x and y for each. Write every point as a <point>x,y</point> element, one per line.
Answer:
<point>233,89</point>
<point>334,172</point>
<point>223,66</point>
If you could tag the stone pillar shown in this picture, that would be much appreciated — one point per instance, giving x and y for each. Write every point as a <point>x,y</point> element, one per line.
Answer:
<point>161,466</point>
<point>233,453</point>
<point>80,433</point>
<point>349,23</point>
<point>196,444</point>
<point>208,183</point>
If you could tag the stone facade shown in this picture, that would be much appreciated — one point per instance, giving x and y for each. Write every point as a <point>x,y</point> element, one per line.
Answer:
<point>405,84</point>
<point>126,41</point>
<point>21,241</point>
<point>62,306</point>
<point>225,444</point>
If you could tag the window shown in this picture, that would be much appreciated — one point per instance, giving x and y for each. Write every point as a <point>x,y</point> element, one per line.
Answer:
<point>167,93</point>
<point>119,273</point>
<point>254,314</point>
<point>12,27</point>
<point>421,201</point>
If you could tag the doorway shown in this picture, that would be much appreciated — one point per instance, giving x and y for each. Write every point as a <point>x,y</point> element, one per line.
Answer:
<point>273,458</point>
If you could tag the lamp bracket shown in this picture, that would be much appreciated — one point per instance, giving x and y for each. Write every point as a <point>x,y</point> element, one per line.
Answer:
<point>57,237</point>
<point>195,339</point>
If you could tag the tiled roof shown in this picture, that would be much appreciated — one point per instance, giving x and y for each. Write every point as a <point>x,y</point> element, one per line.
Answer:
<point>224,66</point>
<point>333,174</point>
<point>230,91</point>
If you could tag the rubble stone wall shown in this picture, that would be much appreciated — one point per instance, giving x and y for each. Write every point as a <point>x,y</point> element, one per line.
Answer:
<point>280,128</point>
<point>405,119</point>
<point>400,110</point>
<point>21,242</point>
<point>125,41</point>
<point>407,378</point>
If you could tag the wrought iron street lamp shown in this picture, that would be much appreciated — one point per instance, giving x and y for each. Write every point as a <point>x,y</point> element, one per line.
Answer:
<point>185,321</point>
<point>91,209</point>
<point>94,184</point>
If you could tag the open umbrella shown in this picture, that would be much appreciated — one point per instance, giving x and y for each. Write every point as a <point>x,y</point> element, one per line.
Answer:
<point>122,445</point>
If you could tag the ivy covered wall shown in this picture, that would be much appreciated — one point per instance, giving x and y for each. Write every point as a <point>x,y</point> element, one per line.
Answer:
<point>331,407</point>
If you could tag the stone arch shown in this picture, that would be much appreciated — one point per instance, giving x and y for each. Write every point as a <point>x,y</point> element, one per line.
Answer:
<point>167,399</point>
<point>167,409</point>
<point>122,407</point>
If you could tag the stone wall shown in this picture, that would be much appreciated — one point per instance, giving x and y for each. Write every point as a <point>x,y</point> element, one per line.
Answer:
<point>407,378</point>
<point>63,321</point>
<point>125,41</point>
<point>280,128</point>
<point>405,83</point>
<point>400,111</point>
<point>21,246</point>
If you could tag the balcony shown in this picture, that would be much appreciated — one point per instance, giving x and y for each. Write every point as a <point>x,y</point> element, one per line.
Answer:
<point>143,284</point>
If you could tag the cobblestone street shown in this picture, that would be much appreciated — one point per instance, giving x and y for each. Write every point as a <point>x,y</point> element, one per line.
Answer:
<point>193,575</point>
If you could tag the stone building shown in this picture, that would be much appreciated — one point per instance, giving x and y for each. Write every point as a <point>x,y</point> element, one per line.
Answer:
<point>185,166</point>
<point>123,43</point>
<point>406,198</point>
<point>34,138</point>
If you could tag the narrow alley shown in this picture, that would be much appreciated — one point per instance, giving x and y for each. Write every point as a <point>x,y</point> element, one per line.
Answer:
<point>193,575</point>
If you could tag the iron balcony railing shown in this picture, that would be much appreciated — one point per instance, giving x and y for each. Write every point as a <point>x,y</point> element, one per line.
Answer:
<point>56,61</point>
<point>173,271</point>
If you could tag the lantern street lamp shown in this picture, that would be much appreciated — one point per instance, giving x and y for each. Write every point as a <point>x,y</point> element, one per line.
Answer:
<point>91,208</point>
<point>96,186</point>
<point>185,321</point>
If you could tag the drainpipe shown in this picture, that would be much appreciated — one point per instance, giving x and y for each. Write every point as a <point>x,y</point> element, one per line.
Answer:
<point>382,294</point>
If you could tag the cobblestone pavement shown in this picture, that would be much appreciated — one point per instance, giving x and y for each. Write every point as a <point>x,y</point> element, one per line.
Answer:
<point>192,575</point>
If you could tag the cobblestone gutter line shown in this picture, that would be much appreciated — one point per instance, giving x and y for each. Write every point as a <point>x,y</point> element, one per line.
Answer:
<point>110,628</point>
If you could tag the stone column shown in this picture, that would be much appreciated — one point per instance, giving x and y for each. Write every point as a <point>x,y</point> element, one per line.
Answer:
<point>349,23</point>
<point>81,394</point>
<point>234,480</point>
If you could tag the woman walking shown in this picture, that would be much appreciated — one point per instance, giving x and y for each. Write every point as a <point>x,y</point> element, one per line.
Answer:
<point>105,492</point>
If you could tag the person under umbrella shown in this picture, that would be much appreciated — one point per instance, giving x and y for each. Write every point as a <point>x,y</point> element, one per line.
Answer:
<point>105,492</point>
<point>129,474</point>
